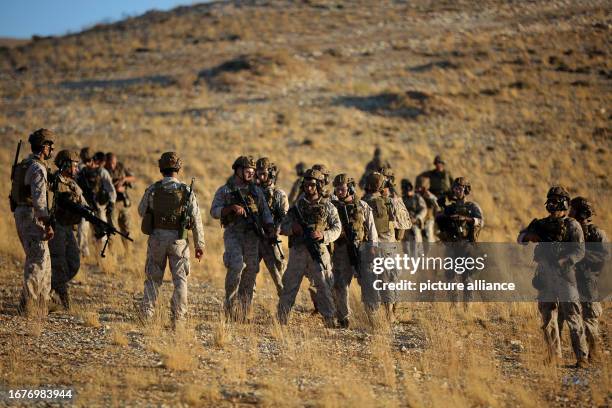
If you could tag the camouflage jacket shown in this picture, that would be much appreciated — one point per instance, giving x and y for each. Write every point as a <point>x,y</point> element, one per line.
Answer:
<point>332,228</point>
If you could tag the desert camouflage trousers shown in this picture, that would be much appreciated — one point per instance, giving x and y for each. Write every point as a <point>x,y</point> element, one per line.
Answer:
<point>343,273</point>
<point>164,248</point>
<point>301,264</point>
<point>241,260</point>
<point>65,257</point>
<point>37,265</point>
<point>591,311</point>
<point>571,312</point>
<point>275,265</point>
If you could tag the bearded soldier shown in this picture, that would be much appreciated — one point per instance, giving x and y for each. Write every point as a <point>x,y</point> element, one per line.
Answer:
<point>266,173</point>
<point>98,189</point>
<point>169,208</point>
<point>300,168</point>
<point>417,209</point>
<point>560,247</point>
<point>122,180</point>
<point>28,200</point>
<point>385,212</point>
<point>232,204</point>
<point>312,223</point>
<point>357,227</point>
<point>588,271</point>
<point>65,256</point>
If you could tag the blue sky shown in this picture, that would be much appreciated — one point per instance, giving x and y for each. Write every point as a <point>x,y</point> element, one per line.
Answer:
<point>24,18</point>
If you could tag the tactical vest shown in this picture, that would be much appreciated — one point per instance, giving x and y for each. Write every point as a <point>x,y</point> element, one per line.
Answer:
<point>21,193</point>
<point>381,209</point>
<point>66,192</point>
<point>356,218</point>
<point>551,229</point>
<point>250,196</point>
<point>313,214</point>
<point>591,234</point>
<point>93,182</point>
<point>167,205</point>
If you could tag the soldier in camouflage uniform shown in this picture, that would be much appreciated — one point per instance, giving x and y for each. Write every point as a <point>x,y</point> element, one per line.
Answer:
<point>588,271</point>
<point>460,222</point>
<point>169,208</point>
<point>417,209</point>
<point>98,189</point>
<point>357,222</point>
<point>28,200</point>
<point>122,180</point>
<point>433,208</point>
<point>391,220</point>
<point>312,223</point>
<point>65,256</point>
<point>555,278</point>
<point>83,228</point>
<point>241,257</point>
<point>375,165</point>
<point>440,179</point>
<point>266,173</point>
<point>300,168</point>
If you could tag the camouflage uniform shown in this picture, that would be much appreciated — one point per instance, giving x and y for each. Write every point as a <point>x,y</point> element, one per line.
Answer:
<point>31,202</point>
<point>433,208</point>
<point>458,234</point>
<point>164,200</point>
<point>417,208</point>
<point>362,223</point>
<point>241,256</point>
<point>279,205</point>
<point>295,188</point>
<point>440,180</point>
<point>123,201</point>
<point>98,189</point>
<point>65,256</point>
<point>556,282</point>
<point>322,216</point>
<point>375,165</point>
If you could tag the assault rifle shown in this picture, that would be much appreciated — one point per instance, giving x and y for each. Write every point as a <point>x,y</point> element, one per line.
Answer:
<point>186,220</point>
<point>351,237</point>
<point>256,224</point>
<point>312,245</point>
<point>12,202</point>
<point>101,227</point>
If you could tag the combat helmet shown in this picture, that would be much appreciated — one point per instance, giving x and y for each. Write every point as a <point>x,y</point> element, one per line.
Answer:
<point>244,162</point>
<point>557,199</point>
<point>65,156</point>
<point>375,182</point>
<point>463,182</point>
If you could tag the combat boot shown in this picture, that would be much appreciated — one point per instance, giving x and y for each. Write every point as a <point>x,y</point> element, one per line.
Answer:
<point>329,322</point>
<point>582,363</point>
<point>343,323</point>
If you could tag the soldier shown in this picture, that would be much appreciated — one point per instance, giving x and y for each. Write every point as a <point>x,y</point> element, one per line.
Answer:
<point>555,278</point>
<point>29,201</point>
<point>433,208</point>
<point>266,174</point>
<point>122,181</point>
<point>241,257</point>
<point>169,208</point>
<point>588,271</point>
<point>300,168</point>
<point>312,223</point>
<point>440,179</point>
<point>98,189</point>
<point>357,227</point>
<point>385,211</point>
<point>376,164</point>
<point>83,228</point>
<point>65,257</point>
<point>417,209</point>
<point>460,222</point>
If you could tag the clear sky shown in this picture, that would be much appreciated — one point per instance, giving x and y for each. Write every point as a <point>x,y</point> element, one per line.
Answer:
<point>24,18</point>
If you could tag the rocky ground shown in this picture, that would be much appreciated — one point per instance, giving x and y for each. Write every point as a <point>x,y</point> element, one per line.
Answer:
<point>516,95</point>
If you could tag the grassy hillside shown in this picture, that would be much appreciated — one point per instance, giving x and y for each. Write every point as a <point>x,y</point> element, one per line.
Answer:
<point>515,96</point>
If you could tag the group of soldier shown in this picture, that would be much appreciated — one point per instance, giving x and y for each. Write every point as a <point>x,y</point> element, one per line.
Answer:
<point>87,189</point>
<point>328,226</point>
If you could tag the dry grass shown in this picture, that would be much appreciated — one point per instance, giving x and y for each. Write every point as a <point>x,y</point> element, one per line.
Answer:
<point>509,108</point>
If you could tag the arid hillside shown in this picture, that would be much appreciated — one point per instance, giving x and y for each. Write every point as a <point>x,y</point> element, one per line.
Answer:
<point>515,96</point>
